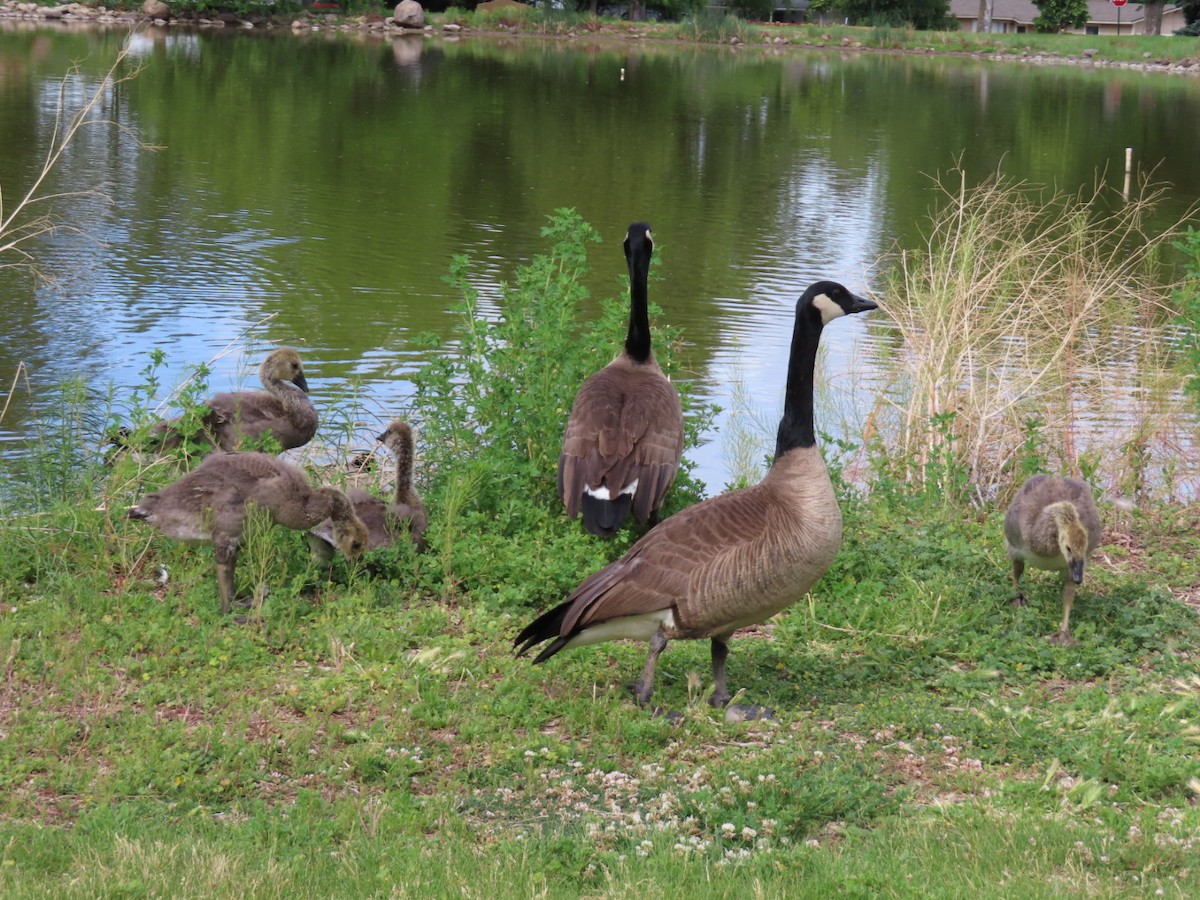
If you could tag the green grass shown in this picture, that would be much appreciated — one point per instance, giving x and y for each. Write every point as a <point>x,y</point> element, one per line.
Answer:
<point>703,28</point>
<point>369,733</point>
<point>366,738</point>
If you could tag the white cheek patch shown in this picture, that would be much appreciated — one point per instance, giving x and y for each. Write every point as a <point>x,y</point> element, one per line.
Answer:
<point>827,308</point>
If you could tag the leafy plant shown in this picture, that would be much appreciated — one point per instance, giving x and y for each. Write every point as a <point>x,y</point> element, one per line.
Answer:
<point>492,407</point>
<point>1059,15</point>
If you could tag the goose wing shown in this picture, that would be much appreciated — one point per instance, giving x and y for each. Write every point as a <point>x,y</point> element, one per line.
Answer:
<point>251,415</point>
<point>698,563</point>
<point>626,426</point>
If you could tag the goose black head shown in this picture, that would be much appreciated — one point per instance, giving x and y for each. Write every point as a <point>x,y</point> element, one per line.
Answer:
<point>639,232</point>
<point>831,300</point>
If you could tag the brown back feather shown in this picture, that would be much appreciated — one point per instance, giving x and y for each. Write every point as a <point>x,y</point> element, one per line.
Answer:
<point>626,423</point>
<point>727,562</point>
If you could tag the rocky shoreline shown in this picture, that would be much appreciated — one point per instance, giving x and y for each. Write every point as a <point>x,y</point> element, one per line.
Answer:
<point>157,13</point>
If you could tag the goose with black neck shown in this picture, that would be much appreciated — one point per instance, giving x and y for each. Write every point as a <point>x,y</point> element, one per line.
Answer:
<point>731,561</point>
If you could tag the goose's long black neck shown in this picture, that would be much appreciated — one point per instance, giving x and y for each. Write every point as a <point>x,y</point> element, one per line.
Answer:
<point>637,341</point>
<point>796,427</point>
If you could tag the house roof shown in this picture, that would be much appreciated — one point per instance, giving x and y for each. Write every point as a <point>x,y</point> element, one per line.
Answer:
<point>1023,11</point>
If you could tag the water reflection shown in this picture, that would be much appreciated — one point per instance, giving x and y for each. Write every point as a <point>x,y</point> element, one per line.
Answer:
<point>312,190</point>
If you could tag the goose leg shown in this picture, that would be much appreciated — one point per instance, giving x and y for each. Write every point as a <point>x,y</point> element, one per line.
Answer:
<point>227,554</point>
<point>1063,635</point>
<point>720,651</point>
<point>738,712</point>
<point>1018,570</point>
<point>645,685</point>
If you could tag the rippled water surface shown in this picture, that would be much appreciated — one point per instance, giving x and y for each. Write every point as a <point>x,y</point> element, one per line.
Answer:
<point>312,191</point>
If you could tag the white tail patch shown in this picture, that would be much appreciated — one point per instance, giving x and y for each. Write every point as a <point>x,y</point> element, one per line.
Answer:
<point>602,493</point>
<point>828,309</point>
<point>638,628</point>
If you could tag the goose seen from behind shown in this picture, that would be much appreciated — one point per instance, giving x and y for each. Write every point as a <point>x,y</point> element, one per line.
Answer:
<point>211,504</point>
<point>282,410</point>
<point>1052,524</point>
<point>730,561</point>
<point>386,522</point>
<point>624,437</point>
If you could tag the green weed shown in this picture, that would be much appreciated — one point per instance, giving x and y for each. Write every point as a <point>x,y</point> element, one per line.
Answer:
<point>492,406</point>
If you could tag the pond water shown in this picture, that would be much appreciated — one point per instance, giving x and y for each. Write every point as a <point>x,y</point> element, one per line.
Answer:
<point>312,190</point>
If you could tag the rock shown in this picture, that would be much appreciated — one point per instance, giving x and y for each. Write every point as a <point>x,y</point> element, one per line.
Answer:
<point>155,9</point>
<point>1091,51</point>
<point>409,14</point>
<point>451,27</point>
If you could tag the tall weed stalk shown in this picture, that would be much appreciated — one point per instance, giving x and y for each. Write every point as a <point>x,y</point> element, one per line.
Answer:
<point>1031,305</point>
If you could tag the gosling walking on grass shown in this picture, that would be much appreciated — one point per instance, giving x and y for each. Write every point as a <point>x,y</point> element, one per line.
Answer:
<point>1052,524</point>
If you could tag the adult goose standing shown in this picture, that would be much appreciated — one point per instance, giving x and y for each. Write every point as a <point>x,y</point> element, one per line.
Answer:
<point>730,561</point>
<point>211,503</point>
<point>1052,524</point>
<point>386,522</point>
<point>282,410</point>
<point>624,437</point>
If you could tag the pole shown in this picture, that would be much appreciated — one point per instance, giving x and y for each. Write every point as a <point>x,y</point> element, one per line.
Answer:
<point>1118,21</point>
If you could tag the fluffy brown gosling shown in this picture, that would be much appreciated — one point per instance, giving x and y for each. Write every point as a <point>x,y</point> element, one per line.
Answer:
<point>282,410</point>
<point>1052,524</point>
<point>386,522</point>
<point>212,502</point>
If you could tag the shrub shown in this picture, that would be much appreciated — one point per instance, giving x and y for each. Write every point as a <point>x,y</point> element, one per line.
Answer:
<point>492,406</point>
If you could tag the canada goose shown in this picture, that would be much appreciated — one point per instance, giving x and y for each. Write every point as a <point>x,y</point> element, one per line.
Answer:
<point>1052,524</point>
<point>283,410</point>
<point>732,560</point>
<point>385,522</point>
<point>624,437</point>
<point>211,503</point>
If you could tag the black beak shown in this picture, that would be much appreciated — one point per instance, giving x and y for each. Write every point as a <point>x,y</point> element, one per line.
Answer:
<point>381,437</point>
<point>861,304</point>
<point>300,382</point>
<point>1076,568</point>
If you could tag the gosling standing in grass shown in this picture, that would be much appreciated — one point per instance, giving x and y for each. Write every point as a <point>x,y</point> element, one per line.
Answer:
<point>212,502</point>
<point>386,523</point>
<point>1052,524</point>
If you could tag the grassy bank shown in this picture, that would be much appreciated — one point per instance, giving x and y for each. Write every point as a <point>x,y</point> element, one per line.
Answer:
<point>373,736</point>
<point>727,29</point>
<point>369,733</point>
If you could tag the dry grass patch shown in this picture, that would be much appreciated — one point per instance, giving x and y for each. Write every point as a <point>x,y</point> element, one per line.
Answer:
<point>1036,323</point>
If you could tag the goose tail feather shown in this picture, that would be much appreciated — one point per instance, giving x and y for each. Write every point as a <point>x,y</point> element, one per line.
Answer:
<point>546,626</point>
<point>604,518</point>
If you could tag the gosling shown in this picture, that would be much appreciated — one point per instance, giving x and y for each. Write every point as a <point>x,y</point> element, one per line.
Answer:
<point>1052,524</point>
<point>386,522</point>
<point>212,502</point>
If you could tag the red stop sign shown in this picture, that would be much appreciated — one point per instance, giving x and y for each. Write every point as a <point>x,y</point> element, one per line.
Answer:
<point>1118,2</point>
